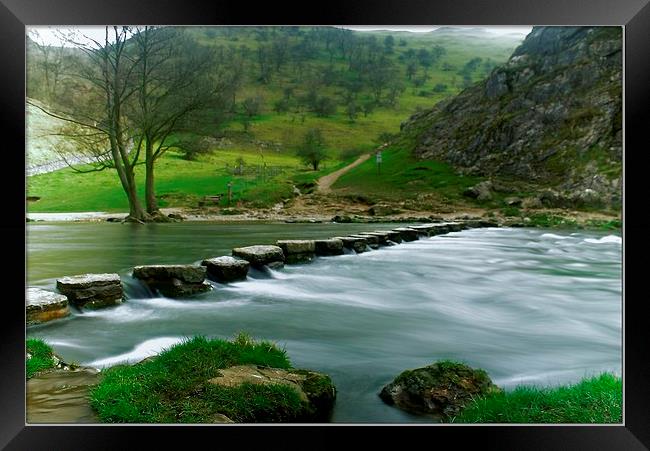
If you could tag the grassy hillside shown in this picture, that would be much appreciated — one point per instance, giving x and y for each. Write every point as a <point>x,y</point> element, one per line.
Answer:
<point>180,182</point>
<point>403,178</point>
<point>316,65</point>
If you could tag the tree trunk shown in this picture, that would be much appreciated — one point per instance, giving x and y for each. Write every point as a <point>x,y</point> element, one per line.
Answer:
<point>127,179</point>
<point>136,212</point>
<point>149,188</point>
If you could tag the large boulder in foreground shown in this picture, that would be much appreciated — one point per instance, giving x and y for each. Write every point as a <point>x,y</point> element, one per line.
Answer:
<point>226,268</point>
<point>92,290</point>
<point>261,255</point>
<point>315,389</point>
<point>442,388</point>
<point>174,281</point>
<point>43,306</point>
<point>297,251</point>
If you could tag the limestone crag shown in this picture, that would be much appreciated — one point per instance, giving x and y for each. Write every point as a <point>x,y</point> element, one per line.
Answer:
<point>226,268</point>
<point>551,117</point>
<point>92,290</point>
<point>43,306</point>
<point>174,281</point>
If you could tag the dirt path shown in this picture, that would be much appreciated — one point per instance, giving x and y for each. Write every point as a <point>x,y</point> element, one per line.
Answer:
<point>325,183</point>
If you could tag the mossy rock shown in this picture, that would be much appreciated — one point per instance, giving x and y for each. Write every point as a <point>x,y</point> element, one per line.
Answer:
<point>213,381</point>
<point>441,389</point>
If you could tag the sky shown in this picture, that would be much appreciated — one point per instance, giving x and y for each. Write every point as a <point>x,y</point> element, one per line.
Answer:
<point>48,34</point>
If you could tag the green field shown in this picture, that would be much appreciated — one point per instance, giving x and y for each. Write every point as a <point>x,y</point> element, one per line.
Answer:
<point>179,182</point>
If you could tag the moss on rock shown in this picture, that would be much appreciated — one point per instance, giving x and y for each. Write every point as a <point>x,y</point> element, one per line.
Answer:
<point>442,388</point>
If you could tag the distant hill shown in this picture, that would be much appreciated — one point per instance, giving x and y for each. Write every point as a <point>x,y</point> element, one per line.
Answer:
<point>550,116</point>
<point>354,85</point>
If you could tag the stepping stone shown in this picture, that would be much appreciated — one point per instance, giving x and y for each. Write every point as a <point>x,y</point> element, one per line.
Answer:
<point>92,290</point>
<point>357,244</point>
<point>383,238</point>
<point>371,240</point>
<point>407,233</point>
<point>174,281</point>
<point>226,268</point>
<point>297,251</point>
<point>332,246</point>
<point>43,306</point>
<point>261,255</point>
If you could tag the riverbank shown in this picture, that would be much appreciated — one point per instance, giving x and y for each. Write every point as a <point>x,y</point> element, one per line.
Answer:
<point>244,381</point>
<point>551,218</point>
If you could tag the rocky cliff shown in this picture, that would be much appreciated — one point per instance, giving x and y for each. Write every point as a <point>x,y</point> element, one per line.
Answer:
<point>551,116</point>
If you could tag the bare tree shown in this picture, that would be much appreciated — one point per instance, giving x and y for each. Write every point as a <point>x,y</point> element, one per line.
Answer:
<point>175,79</point>
<point>103,79</point>
<point>129,94</point>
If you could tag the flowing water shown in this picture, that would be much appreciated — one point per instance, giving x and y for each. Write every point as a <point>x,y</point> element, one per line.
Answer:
<point>529,306</point>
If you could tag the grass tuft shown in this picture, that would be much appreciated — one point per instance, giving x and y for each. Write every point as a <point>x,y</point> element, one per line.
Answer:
<point>592,400</point>
<point>41,357</point>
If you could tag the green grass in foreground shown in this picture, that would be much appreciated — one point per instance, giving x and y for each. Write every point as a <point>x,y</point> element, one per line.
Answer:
<point>41,357</point>
<point>593,400</point>
<point>173,387</point>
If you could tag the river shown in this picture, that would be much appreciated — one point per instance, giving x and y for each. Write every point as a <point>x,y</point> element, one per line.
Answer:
<point>530,306</point>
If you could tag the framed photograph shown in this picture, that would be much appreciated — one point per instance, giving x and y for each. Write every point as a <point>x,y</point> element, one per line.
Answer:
<point>405,217</point>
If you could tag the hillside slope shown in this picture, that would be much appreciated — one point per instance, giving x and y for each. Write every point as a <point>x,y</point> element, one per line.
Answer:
<point>550,116</point>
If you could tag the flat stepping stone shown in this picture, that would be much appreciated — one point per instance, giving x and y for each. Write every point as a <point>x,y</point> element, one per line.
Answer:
<point>332,246</point>
<point>382,237</point>
<point>395,237</point>
<point>92,290</point>
<point>371,240</point>
<point>174,281</point>
<point>43,306</point>
<point>357,244</point>
<point>226,268</point>
<point>261,255</point>
<point>407,233</point>
<point>297,251</point>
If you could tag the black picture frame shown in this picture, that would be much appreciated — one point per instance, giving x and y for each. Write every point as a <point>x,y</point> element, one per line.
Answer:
<point>633,434</point>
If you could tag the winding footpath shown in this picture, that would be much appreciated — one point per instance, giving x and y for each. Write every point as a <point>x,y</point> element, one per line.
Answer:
<point>325,183</point>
